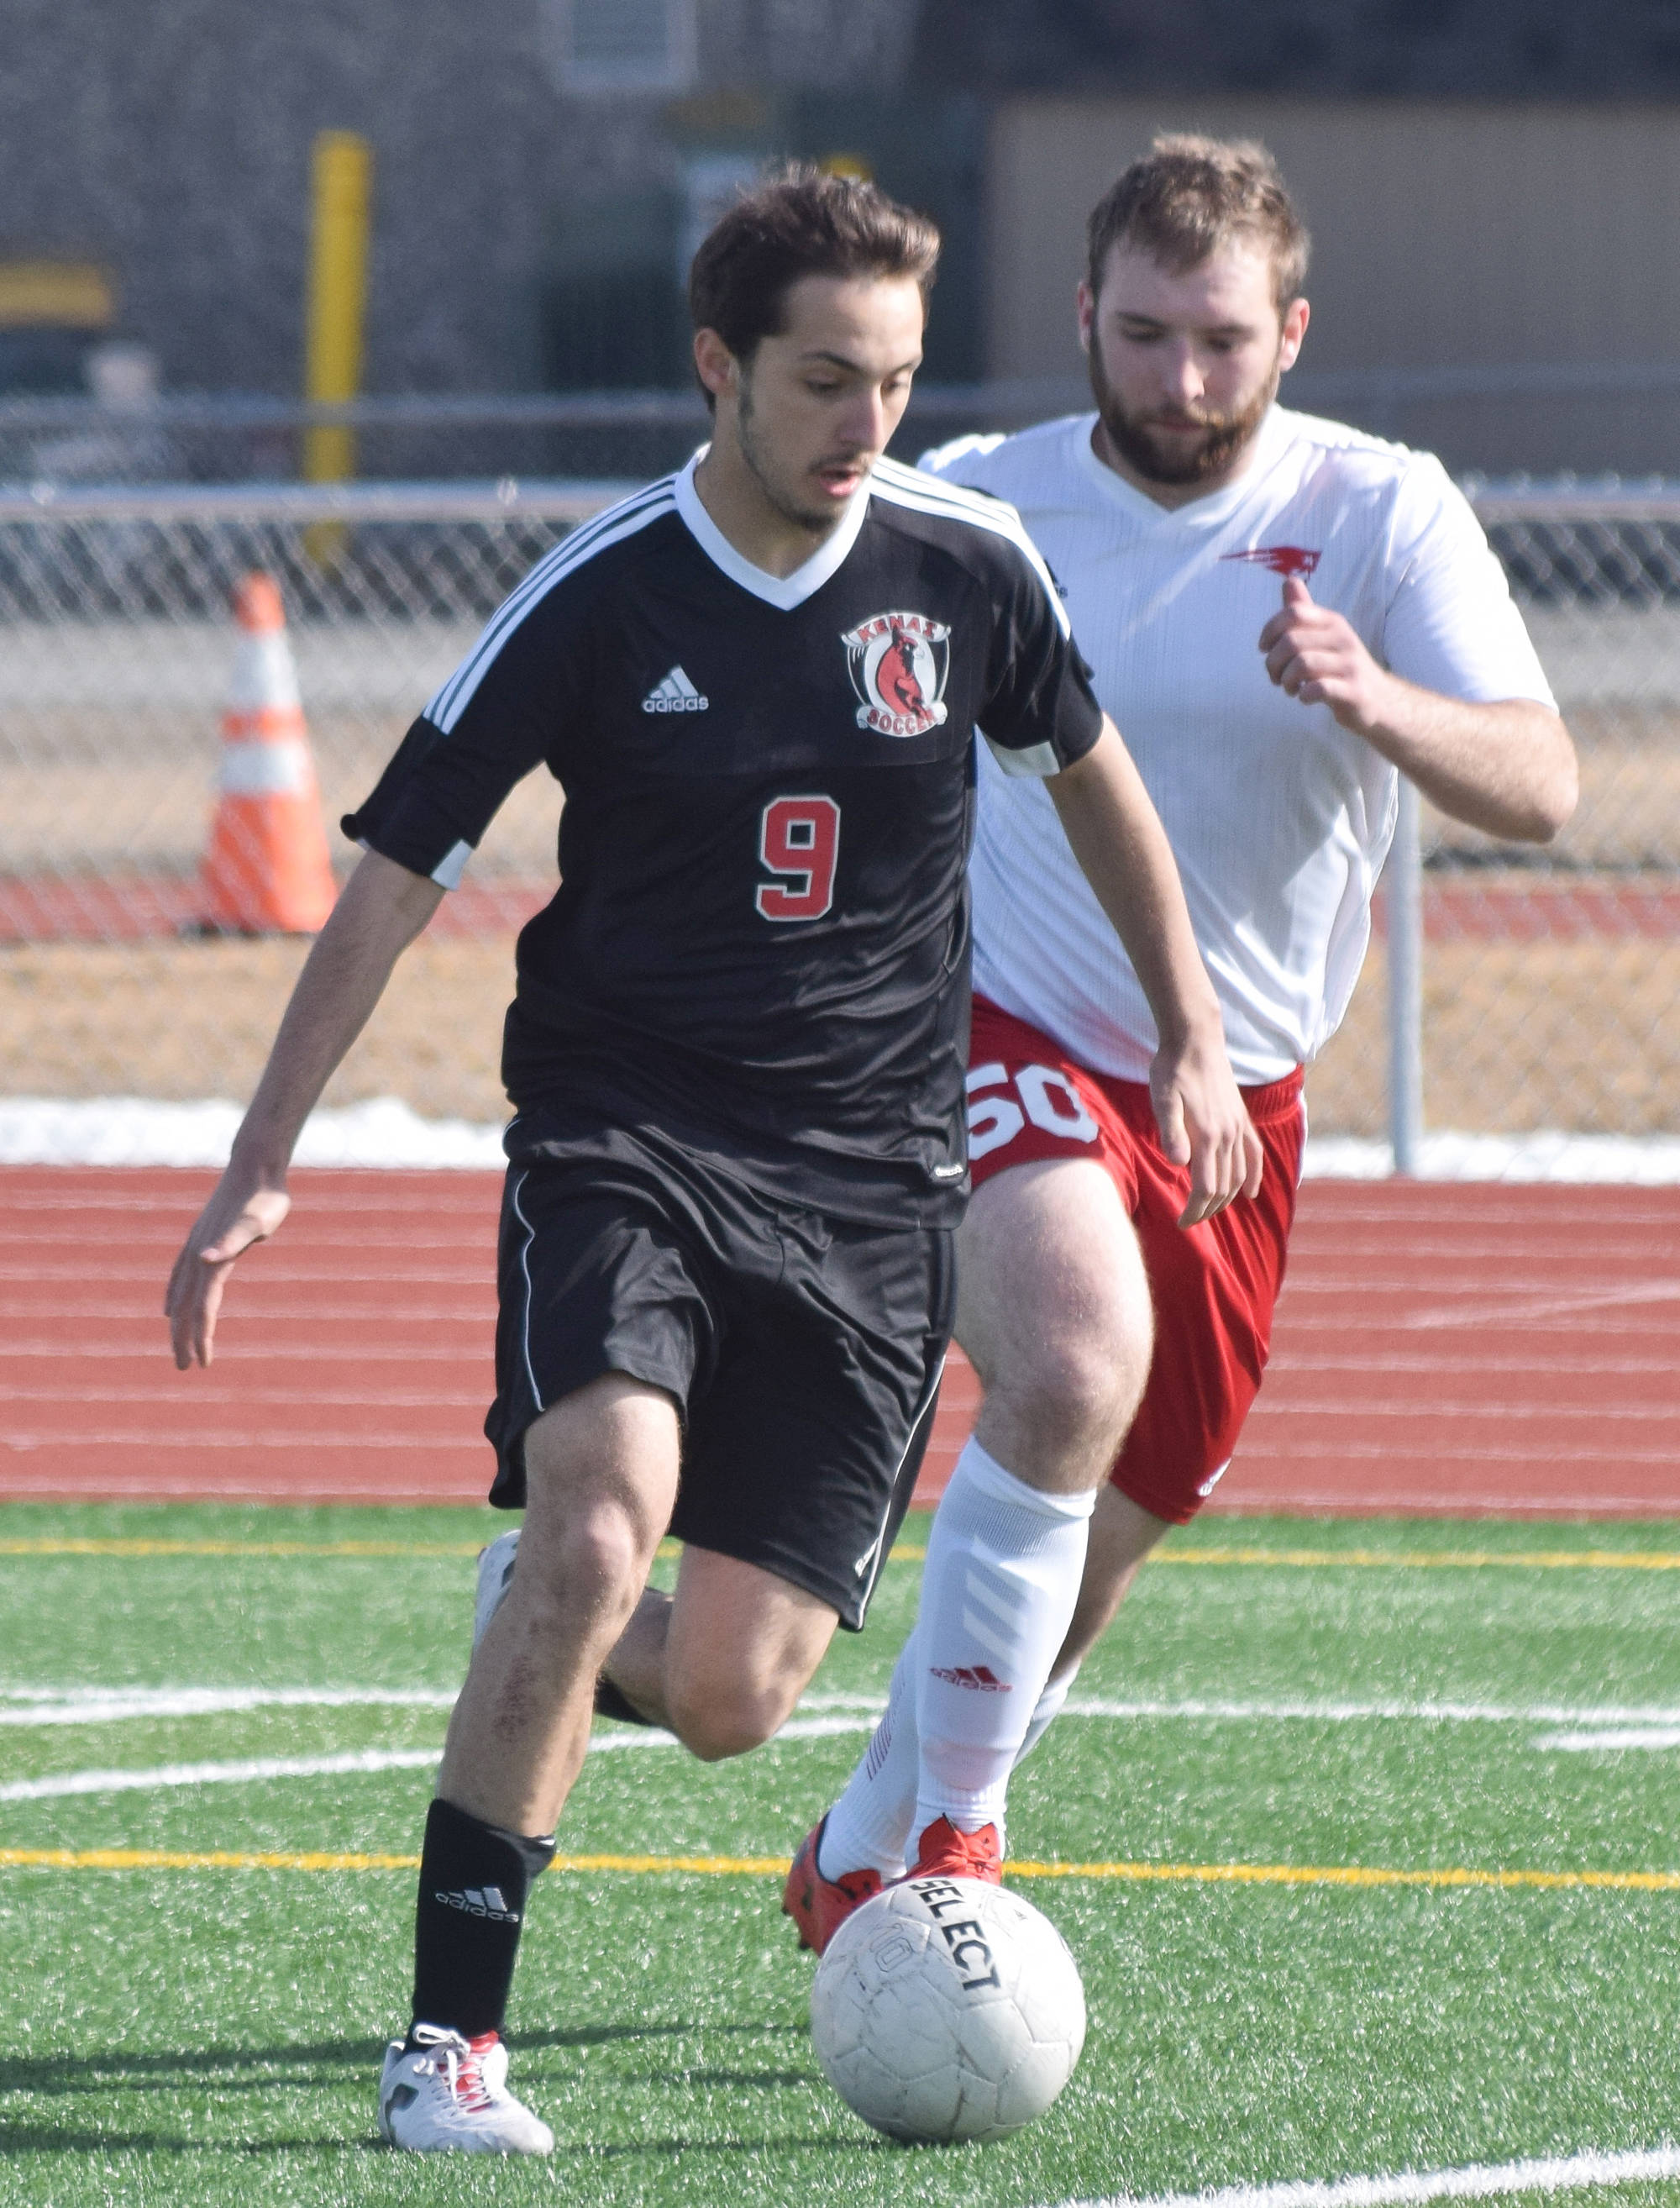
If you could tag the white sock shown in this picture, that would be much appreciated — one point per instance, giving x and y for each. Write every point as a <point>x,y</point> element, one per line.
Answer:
<point>998,1595</point>
<point>1049,1709</point>
<point>869,1827</point>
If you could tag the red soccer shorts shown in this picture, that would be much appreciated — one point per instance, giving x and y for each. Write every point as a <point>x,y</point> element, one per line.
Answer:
<point>1215,1286</point>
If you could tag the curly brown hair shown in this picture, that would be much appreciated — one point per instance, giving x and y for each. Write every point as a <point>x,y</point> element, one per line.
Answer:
<point>1187,196</point>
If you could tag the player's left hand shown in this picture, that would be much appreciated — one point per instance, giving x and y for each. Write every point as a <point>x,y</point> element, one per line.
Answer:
<point>1204,1124</point>
<point>1313,653</point>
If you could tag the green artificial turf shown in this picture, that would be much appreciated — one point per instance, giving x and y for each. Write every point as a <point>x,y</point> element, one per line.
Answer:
<point>208,2036</point>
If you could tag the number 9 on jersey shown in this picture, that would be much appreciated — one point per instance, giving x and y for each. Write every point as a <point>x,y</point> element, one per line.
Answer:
<point>799,839</point>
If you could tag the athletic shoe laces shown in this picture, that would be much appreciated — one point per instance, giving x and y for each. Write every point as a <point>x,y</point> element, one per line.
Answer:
<point>462,2062</point>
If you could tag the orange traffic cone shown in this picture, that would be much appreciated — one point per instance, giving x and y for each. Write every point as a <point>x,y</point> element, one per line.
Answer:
<point>266,870</point>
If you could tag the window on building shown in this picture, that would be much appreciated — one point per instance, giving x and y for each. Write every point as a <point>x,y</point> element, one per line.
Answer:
<point>607,46</point>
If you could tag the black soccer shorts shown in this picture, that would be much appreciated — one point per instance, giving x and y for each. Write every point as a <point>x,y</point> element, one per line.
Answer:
<point>802,1352</point>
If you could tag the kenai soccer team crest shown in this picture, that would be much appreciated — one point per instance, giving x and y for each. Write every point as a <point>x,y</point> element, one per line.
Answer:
<point>899,664</point>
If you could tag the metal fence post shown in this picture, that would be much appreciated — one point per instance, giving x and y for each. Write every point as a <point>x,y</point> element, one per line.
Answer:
<point>1403,880</point>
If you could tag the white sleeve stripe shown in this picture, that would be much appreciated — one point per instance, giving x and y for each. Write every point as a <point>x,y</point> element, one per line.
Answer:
<point>447,872</point>
<point>954,504</point>
<point>1037,762</point>
<point>447,704</point>
<point>576,541</point>
<point>620,521</point>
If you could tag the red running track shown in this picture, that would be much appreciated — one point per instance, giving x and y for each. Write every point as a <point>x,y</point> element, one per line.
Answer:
<point>1462,1349</point>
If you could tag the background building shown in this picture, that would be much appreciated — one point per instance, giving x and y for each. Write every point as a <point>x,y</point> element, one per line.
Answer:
<point>1493,188</point>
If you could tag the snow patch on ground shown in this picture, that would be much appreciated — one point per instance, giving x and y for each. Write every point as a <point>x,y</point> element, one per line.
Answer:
<point>135,1130</point>
<point>1648,1162</point>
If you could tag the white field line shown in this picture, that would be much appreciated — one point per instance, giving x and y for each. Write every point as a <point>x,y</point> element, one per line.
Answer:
<point>252,1768</point>
<point>1351,1712</point>
<point>69,1705</point>
<point>1612,1737</point>
<point>1477,2181</point>
<point>1647,1731</point>
<point>217,1774</point>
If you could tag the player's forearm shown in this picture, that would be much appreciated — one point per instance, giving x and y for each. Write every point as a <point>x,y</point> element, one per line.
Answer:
<point>1116,835</point>
<point>383,908</point>
<point>1507,768</point>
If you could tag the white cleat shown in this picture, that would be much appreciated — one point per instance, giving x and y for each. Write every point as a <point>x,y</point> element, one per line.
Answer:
<point>449,2093</point>
<point>495,1576</point>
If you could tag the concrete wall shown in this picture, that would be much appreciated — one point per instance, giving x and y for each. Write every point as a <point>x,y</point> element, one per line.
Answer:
<point>1444,234</point>
<point>170,142</point>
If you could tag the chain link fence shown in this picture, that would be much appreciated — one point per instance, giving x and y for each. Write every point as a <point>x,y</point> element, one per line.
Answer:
<point>581,436</point>
<point>1549,981</point>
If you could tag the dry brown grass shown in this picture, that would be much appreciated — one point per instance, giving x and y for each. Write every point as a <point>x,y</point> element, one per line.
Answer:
<point>1583,1035</point>
<point>195,1019</point>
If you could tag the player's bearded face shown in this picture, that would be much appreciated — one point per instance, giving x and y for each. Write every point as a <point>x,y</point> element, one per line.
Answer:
<point>1150,433</point>
<point>818,403</point>
<point>782,478</point>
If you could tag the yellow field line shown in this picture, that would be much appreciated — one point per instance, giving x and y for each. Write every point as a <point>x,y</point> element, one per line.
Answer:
<point>143,1548</point>
<point>1624,1560</point>
<point>1599,1560</point>
<point>1351,1875</point>
<point>1630,1882</point>
<point>137,1548</point>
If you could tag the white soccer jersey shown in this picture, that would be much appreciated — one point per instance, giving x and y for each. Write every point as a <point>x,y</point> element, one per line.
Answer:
<point>1280,819</point>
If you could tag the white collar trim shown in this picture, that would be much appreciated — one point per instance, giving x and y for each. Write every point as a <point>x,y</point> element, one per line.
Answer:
<point>783,591</point>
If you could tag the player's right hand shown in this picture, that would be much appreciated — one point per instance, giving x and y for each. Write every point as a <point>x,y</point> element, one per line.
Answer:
<point>1204,1124</point>
<point>242,1210</point>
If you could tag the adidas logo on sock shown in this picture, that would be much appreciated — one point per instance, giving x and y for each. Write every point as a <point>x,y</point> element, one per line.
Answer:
<point>676,694</point>
<point>979,1676</point>
<point>490,1902</point>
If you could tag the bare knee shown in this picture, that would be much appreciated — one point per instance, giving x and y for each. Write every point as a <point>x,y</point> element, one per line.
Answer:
<point>601,1477</point>
<point>1074,1392</point>
<point>594,1563</point>
<point>1053,1311</point>
<point>715,1719</point>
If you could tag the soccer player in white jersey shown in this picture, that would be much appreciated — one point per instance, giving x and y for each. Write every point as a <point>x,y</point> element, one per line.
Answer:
<point>1283,615</point>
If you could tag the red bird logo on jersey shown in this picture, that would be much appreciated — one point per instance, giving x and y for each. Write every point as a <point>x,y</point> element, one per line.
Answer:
<point>899,663</point>
<point>895,676</point>
<point>1282,559</point>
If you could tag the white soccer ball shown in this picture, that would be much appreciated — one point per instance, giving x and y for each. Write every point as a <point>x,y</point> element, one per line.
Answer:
<point>947,2009</point>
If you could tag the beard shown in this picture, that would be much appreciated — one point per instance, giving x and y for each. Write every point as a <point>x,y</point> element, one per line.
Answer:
<point>783,496</point>
<point>1221,442</point>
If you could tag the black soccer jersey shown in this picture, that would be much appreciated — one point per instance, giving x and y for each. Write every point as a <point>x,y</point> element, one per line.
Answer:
<point>759,944</point>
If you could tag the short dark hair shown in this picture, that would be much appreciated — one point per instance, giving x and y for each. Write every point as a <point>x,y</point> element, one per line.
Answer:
<point>801,221</point>
<point>1187,196</point>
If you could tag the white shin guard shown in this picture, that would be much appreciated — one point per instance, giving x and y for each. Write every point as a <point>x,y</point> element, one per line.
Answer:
<point>1004,1565</point>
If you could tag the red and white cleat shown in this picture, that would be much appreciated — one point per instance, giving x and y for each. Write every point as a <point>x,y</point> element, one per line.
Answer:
<point>448,2092</point>
<point>943,1851</point>
<point>820,1905</point>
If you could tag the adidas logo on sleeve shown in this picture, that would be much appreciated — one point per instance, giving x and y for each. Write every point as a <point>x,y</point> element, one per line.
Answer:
<point>676,694</point>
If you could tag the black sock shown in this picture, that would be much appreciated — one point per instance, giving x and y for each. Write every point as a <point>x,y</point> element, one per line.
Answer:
<point>474,1879</point>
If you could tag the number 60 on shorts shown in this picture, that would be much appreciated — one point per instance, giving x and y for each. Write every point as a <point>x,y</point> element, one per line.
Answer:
<point>1000,1104</point>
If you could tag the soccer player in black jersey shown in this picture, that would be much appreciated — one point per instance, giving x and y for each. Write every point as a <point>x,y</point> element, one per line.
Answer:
<point>735,1052</point>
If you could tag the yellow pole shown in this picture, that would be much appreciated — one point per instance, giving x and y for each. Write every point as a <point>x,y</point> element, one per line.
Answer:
<point>341,173</point>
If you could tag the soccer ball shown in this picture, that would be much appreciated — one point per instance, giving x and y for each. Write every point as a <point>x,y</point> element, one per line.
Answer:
<point>947,2009</point>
